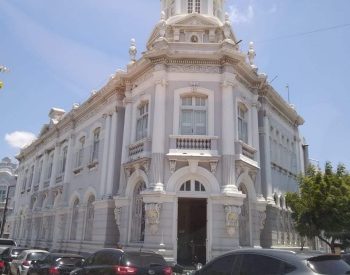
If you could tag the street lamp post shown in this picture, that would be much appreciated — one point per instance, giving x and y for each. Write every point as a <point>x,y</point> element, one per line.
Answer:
<point>5,210</point>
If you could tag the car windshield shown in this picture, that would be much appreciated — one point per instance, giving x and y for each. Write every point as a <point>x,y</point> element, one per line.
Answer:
<point>7,242</point>
<point>144,260</point>
<point>328,264</point>
<point>68,261</point>
<point>36,256</point>
<point>17,251</point>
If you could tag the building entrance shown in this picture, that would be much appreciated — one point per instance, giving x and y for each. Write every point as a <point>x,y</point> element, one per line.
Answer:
<point>191,231</point>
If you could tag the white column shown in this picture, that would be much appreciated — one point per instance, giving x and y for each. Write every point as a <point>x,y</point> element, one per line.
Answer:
<point>69,160</point>
<point>227,137</point>
<point>54,166</point>
<point>210,7</point>
<point>158,132</point>
<point>178,7</point>
<point>111,156</point>
<point>104,163</point>
<point>267,158</point>
<point>127,124</point>
<point>255,141</point>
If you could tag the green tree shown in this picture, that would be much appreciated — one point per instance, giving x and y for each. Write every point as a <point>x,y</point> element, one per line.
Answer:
<point>321,208</point>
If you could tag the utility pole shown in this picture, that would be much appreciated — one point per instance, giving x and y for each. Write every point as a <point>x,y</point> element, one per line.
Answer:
<point>5,210</point>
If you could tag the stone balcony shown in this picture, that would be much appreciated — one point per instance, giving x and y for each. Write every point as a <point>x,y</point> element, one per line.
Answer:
<point>188,145</point>
<point>245,153</point>
<point>140,149</point>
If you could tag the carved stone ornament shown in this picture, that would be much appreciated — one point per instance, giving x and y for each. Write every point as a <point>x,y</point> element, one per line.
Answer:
<point>213,166</point>
<point>227,27</point>
<point>232,218</point>
<point>252,175</point>
<point>251,56</point>
<point>152,216</point>
<point>117,215</point>
<point>172,164</point>
<point>262,219</point>
<point>132,50</point>
<point>162,25</point>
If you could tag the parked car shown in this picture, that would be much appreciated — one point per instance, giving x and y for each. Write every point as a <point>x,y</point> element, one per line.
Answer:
<point>6,243</point>
<point>111,261</point>
<point>21,265</point>
<point>55,264</point>
<point>273,262</point>
<point>8,255</point>
<point>346,257</point>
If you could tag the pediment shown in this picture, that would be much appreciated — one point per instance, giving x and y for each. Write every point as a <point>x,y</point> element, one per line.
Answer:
<point>196,19</point>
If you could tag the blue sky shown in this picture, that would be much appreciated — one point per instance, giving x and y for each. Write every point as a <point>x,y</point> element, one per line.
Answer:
<point>58,51</point>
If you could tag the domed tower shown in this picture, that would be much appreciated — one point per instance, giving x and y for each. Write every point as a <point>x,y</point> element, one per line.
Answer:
<point>193,21</point>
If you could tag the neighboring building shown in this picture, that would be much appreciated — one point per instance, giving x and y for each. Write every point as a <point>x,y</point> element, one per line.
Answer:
<point>189,150</point>
<point>8,178</point>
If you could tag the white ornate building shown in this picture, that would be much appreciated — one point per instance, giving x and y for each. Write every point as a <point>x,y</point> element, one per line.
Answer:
<point>8,179</point>
<point>189,150</point>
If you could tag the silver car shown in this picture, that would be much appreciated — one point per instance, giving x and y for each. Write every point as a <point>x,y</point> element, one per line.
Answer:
<point>274,262</point>
<point>21,265</point>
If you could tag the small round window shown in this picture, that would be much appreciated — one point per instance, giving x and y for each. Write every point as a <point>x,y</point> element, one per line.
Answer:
<point>194,38</point>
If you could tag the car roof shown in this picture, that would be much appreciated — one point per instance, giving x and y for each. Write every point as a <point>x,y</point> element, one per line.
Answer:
<point>286,255</point>
<point>34,251</point>
<point>66,255</point>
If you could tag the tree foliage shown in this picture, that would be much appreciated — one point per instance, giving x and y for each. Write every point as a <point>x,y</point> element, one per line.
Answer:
<point>321,208</point>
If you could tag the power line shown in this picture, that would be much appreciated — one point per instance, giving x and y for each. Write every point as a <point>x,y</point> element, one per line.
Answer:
<point>342,26</point>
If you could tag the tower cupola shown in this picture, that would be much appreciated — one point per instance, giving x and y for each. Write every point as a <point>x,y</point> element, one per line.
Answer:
<point>208,7</point>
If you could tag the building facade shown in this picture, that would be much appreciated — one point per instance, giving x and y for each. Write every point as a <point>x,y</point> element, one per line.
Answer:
<point>189,150</point>
<point>8,179</point>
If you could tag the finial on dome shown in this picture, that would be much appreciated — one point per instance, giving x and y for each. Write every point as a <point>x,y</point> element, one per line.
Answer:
<point>162,15</point>
<point>251,56</point>
<point>132,50</point>
<point>227,17</point>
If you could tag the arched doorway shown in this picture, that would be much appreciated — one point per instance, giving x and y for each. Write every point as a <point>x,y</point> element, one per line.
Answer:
<point>192,223</point>
<point>138,214</point>
<point>244,219</point>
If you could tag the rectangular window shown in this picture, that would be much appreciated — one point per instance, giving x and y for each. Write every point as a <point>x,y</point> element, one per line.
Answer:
<point>193,119</point>
<point>198,6</point>
<point>49,167</point>
<point>3,191</point>
<point>242,125</point>
<point>64,159</point>
<point>96,145</point>
<point>40,168</point>
<point>142,122</point>
<point>80,153</point>
<point>190,6</point>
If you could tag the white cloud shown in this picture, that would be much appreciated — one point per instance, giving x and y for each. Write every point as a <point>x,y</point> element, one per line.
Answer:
<point>239,16</point>
<point>19,139</point>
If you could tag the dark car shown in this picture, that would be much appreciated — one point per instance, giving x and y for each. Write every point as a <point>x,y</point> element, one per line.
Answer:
<point>56,264</point>
<point>273,262</point>
<point>346,257</point>
<point>111,261</point>
<point>8,255</point>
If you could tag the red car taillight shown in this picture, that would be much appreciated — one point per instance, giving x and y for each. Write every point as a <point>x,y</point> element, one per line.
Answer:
<point>125,270</point>
<point>54,271</point>
<point>26,263</point>
<point>168,271</point>
<point>2,264</point>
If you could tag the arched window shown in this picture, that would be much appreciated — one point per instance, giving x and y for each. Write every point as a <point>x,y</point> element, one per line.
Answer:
<point>193,119</point>
<point>192,186</point>
<point>89,218</point>
<point>74,223</point>
<point>138,214</point>
<point>242,113</point>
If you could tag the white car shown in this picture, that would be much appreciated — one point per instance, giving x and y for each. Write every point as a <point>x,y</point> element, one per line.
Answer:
<point>21,265</point>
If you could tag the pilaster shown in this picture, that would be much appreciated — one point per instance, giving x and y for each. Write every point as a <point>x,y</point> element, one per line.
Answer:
<point>105,154</point>
<point>111,157</point>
